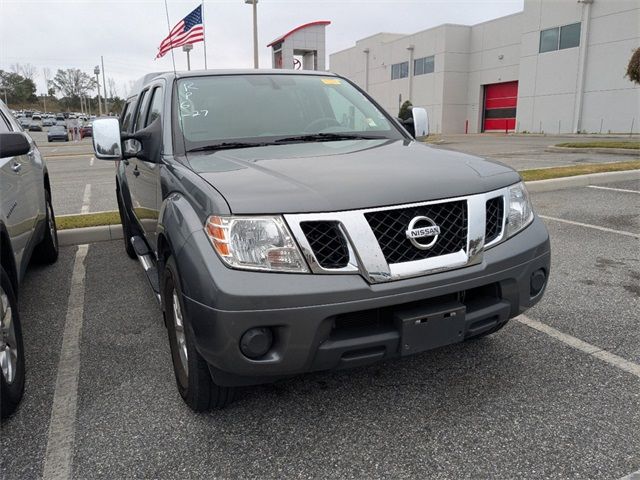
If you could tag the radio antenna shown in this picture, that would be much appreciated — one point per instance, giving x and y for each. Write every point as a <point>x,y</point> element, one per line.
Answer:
<point>175,77</point>
<point>173,58</point>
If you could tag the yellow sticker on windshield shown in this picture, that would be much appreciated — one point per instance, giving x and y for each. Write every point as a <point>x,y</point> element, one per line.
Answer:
<point>331,81</point>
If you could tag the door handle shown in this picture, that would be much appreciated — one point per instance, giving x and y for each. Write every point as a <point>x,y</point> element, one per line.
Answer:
<point>16,167</point>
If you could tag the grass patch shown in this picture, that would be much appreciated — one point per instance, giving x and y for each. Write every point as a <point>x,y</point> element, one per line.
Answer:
<point>602,144</point>
<point>573,170</point>
<point>433,138</point>
<point>66,222</point>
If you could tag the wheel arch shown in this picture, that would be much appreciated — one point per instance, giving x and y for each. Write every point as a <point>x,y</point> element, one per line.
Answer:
<point>7,259</point>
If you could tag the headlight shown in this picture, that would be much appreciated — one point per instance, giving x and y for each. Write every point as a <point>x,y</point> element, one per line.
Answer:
<point>255,243</point>
<point>520,211</point>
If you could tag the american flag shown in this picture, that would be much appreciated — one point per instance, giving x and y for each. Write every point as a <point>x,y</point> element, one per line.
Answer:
<point>188,30</point>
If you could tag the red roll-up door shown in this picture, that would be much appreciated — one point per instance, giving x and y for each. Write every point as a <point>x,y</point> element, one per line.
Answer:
<point>500,100</point>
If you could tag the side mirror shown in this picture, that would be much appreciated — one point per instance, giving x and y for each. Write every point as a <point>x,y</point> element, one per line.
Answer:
<point>150,139</point>
<point>13,144</point>
<point>420,122</point>
<point>106,139</point>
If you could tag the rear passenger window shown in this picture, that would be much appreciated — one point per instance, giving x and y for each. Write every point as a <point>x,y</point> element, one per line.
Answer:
<point>127,115</point>
<point>140,111</point>
<point>155,110</point>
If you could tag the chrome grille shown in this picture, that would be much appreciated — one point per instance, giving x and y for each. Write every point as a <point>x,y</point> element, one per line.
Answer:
<point>390,226</point>
<point>327,243</point>
<point>495,214</point>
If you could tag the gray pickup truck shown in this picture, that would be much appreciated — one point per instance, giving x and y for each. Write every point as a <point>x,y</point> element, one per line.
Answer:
<point>288,224</point>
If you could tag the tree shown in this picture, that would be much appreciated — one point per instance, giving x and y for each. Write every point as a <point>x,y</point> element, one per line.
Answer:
<point>72,83</point>
<point>633,69</point>
<point>116,104</point>
<point>113,90</point>
<point>46,74</point>
<point>27,70</point>
<point>405,111</point>
<point>18,88</point>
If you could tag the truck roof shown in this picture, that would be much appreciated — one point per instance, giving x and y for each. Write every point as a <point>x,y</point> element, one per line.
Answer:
<point>171,75</point>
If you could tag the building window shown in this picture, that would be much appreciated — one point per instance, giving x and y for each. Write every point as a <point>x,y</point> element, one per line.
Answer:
<point>549,40</point>
<point>399,70</point>
<point>423,65</point>
<point>570,36</point>
<point>558,38</point>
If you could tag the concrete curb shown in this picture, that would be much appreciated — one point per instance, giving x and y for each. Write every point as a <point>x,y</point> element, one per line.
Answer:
<point>582,180</point>
<point>78,236</point>
<point>608,151</point>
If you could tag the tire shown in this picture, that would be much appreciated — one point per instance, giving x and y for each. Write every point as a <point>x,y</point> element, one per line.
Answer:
<point>47,250</point>
<point>126,229</point>
<point>11,349</point>
<point>192,374</point>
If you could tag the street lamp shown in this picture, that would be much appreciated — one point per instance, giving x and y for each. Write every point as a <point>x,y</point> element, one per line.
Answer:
<point>255,30</point>
<point>187,48</point>
<point>96,70</point>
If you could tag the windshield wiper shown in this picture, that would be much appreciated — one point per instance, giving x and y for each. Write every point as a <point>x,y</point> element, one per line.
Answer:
<point>324,137</point>
<point>227,146</point>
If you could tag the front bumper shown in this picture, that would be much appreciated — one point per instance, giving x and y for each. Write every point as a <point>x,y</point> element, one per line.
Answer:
<point>333,321</point>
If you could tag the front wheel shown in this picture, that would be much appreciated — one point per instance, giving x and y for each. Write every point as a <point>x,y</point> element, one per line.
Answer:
<point>193,377</point>
<point>11,349</point>
<point>47,249</point>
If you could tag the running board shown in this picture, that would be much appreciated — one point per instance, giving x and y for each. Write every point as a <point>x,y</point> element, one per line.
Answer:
<point>146,260</point>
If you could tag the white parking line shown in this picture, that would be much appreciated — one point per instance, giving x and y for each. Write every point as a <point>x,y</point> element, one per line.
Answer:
<point>632,476</point>
<point>61,437</point>
<point>86,199</point>
<point>91,161</point>
<point>573,342</point>
<point>54,150</point>
<point>595,227</point>
<point>624,190</point>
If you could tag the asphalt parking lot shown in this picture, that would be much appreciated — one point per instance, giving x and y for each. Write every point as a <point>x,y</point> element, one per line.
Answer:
<point>556,394</point>
<point>79,182</point>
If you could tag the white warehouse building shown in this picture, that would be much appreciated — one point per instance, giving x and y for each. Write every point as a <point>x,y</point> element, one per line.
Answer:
<point>556,67</point>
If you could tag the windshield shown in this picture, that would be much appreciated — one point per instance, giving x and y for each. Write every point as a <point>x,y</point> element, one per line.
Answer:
<point>266,108</point>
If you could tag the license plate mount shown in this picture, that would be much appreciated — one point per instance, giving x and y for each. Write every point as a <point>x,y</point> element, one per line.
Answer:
<point>426,328</point>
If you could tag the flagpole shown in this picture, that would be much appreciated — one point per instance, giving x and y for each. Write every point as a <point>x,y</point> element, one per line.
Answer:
<point>173,59</point>
<point>204,37</point>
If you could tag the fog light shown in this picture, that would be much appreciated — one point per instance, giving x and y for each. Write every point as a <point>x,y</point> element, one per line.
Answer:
<point>538,280</point>
<point>256,342</point>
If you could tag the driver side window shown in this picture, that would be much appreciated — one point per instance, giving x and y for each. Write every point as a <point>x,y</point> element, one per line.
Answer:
<point>125,122</point>
<point>142,108</point>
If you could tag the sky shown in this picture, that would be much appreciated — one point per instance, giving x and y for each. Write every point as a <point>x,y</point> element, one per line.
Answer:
<point>75,33</point>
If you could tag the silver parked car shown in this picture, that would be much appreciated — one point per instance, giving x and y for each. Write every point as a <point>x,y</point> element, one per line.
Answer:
<point>27,230</point>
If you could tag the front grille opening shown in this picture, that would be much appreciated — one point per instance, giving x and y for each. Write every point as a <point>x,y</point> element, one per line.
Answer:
<point>495,214</point>
<point>327,242</point>
<point>370,320</point>
<point>367,322</point>
<point>476,298</point>
<point>390,226</point>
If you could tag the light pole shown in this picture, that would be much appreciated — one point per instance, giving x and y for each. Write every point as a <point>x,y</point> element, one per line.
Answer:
<point>96,70</point>
<point>104,85</point>
<point>255,31</point>
<point>187,48</point>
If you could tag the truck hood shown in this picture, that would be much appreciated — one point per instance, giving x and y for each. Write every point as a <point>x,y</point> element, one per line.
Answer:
<point>344,175</point>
